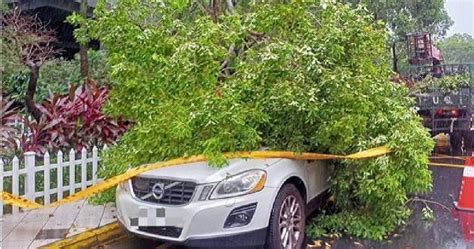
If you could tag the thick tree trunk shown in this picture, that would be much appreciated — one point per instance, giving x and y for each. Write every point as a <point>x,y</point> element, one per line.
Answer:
<point>394,58</point>
<point>30,93</point>
<point>84,60</point>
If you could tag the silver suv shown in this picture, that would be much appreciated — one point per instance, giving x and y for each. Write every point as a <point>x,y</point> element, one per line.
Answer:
<point>248,203</point>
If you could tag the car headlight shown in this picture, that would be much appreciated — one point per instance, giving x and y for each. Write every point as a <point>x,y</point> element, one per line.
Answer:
<point>244,183</point>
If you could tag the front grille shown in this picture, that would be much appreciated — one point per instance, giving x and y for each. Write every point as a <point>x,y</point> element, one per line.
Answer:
<point>168,231</point>
<point>173,192</point>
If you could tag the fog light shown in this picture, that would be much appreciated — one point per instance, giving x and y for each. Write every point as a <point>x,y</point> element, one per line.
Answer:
<point>240,216</point>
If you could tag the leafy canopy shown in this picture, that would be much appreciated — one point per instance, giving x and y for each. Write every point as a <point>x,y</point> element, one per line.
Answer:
<point>406,16</point>
<point>299,77</point>
<point>458,48</point>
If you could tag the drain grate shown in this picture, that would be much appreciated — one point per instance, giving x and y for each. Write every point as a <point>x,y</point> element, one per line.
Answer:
<point>52,234</point>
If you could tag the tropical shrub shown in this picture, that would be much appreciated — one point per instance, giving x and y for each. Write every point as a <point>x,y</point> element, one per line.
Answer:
<point>38,136</point>
<point>8,133</point>
<point>70,121</point>
<point>76,120</point>
<point>300,77</point>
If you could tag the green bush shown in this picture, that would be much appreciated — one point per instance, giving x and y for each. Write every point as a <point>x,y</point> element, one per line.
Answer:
<point>55,76</point>
<point>68,71</point>
<point>299,77</point>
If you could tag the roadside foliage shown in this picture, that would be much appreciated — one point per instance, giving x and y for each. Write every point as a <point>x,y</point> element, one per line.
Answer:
<point>307,77</point>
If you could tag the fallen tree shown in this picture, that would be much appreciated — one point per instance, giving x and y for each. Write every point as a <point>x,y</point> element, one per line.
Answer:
<point>299,77</point>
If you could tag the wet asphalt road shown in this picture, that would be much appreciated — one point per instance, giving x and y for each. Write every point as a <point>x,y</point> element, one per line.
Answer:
<point>444,232</point>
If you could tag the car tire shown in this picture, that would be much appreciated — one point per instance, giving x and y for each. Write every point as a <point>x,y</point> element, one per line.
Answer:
<point>287,220</point>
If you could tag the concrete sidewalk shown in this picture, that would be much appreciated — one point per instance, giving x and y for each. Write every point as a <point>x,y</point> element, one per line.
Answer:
<point>35,228</point>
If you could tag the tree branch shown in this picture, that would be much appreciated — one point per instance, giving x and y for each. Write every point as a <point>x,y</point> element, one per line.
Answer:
<point>251,40</point>
<point>230,6</point>
<point>204,9</point>
<point>33,42</point>
<point>215,9</point>
<point>428,201</point>
<point>230,55</point>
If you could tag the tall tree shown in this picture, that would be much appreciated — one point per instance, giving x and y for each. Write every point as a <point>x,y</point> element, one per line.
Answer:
<point>299,76</point>
<point>28,42</point>
<point>405,16</point>
<point>458,48</point>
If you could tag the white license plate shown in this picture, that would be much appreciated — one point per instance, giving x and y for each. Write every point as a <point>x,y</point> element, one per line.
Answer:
<point>149,217</point>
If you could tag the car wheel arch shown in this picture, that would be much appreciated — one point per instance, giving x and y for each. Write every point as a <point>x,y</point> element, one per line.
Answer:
<point>299,184</point>
<point>290,179</point>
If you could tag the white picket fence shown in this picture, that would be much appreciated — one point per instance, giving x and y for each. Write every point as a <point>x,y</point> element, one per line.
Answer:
<point>30,170</point>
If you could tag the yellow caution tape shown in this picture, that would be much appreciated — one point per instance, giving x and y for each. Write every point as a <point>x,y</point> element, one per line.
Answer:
<point>113,181</point>
<point>448,165</point>
<point>19,201</point>
<point>446,157</point>
<point>441,156</point>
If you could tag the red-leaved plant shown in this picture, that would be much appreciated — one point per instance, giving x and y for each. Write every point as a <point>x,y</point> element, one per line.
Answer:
<point>38,136</point>
<point>73,121</point>
<point>95,127</point>
<point>8,133</point>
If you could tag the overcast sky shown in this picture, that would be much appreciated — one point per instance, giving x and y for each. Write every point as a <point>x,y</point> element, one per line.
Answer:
<point>462,13</point>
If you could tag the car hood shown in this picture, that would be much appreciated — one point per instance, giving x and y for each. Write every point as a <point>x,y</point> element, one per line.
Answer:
<point>201,172</point>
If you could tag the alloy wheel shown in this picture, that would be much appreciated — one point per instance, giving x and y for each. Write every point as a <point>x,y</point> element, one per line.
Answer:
<point>291,222</point>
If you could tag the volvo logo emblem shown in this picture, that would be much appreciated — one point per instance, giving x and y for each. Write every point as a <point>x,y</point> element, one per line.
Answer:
<point>158,191</point>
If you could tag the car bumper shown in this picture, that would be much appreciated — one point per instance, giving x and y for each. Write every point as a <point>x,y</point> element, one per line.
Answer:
<point>246,239</point>
<point>201,223</point>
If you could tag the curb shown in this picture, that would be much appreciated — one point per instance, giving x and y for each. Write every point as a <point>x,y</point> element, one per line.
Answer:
<point>88,238</point>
